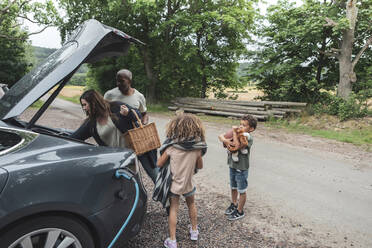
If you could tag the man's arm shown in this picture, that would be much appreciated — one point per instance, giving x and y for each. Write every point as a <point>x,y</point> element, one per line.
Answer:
<point>106,96</point>
<point>143,109</point>
<point>145,118</point>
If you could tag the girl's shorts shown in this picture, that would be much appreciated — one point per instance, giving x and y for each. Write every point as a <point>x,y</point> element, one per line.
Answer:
<point>191,193</point>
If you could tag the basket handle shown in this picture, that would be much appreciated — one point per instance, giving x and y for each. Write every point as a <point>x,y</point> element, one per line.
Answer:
<point>138,119</point>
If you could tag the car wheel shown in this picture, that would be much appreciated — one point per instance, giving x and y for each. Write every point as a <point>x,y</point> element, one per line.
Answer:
<point>48,232</point>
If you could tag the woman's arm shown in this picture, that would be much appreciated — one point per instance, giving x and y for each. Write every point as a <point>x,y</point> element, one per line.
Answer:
<point>199,163</point>
<point>83,132</point>
<point>132,117</point>
<point>162,159</point>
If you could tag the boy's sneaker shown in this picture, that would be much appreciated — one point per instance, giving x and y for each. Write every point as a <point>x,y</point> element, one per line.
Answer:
<point>194,234</point>
<point>230,209</point>
<point>170,243</point>
<point>236,215</point>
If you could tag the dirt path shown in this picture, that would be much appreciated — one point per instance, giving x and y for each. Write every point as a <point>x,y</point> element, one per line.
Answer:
<point>303,192</point>
<point>306,190</point>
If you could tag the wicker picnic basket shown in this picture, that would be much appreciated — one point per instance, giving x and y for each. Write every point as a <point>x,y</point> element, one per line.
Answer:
<point>143,138</point>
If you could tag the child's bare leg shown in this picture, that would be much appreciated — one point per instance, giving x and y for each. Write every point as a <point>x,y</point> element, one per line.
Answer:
<point>172,219</point>
<point>190,201</point>
<point>242,199</point>
<point>234,196</point>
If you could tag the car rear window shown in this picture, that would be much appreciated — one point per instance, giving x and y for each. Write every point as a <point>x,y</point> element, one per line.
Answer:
<point>8,140</point>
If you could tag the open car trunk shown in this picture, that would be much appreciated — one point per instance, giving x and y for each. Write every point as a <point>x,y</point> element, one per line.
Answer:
<point>89,43</point>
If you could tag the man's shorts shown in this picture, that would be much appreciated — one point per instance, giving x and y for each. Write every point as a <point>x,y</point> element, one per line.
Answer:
<point>238,180</point>
<point>192,192</point>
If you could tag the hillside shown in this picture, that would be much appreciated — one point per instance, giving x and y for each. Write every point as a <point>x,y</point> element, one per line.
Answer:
<point>41,53</point>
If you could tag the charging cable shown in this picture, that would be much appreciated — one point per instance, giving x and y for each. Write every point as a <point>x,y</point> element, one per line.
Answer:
<point>118,174</point>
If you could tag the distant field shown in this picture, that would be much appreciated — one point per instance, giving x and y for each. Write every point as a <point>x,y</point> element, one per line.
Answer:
<point>72,91</point>
<point>248,93</point>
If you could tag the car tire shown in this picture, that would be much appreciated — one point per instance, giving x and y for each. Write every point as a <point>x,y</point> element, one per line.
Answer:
<point>48,229</point>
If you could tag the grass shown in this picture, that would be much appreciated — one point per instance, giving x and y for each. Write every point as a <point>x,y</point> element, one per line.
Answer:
<point>158,108</point>
<point>37,104</point>
<point>74,99</point>
<point>218,119</point>
<point>357,135</point>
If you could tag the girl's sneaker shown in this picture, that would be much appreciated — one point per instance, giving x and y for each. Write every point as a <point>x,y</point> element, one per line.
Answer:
<point>194,234</point>
<point>170,243</point>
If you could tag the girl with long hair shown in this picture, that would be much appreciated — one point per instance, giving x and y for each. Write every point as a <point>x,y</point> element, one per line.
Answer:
<point>182,153</point>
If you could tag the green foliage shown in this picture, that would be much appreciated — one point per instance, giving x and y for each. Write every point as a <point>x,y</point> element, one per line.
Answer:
<point>41,53</point>
<point>291,63</point>
<point>355,106</point>
<point>15,52</point>
<point>191,46</point>
<point>13,62</point>
<point>78,79</point>
<point>157,108</point>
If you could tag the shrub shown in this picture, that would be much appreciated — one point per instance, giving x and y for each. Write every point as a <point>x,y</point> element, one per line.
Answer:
<point>354,107</point>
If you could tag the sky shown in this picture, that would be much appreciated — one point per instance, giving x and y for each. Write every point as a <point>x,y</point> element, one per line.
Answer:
<point>49,38</point>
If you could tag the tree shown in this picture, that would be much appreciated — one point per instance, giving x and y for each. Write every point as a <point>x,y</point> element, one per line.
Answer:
<point>14,12</point>
<point>347,24</point>
<point>13,38</point>
<point>191,46</point>
<point>292,62</point>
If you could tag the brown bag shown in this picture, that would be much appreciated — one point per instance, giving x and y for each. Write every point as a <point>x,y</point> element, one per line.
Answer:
<point>143,138</point>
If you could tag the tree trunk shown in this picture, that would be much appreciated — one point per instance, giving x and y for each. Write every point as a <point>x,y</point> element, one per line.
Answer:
<point>347,75</point>
<point>204,87</point>
<point>204,82</point>
<point>321,57</point>
<point>151,92</point>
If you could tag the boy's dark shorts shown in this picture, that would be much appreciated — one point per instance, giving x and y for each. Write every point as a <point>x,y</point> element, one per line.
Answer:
<point>238,180</point>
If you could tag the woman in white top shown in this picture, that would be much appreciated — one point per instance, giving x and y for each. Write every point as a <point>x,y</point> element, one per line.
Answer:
<point>106,121</point>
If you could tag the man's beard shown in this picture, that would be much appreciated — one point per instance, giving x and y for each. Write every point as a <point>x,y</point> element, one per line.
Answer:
<point>124,89</point>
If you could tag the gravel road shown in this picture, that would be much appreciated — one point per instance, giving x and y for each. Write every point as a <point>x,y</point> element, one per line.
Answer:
<point>284,208</point>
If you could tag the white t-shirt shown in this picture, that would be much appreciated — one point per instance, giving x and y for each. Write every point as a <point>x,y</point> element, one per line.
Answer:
<point>136,100</point>
<point>109,134</point>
